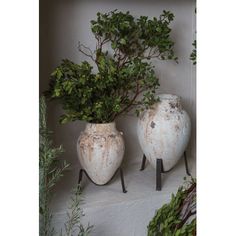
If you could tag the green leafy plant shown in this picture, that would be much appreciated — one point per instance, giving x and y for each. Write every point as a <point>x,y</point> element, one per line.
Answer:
<point>177,218</point>
<point>124,77</point>
<point>49,174</point>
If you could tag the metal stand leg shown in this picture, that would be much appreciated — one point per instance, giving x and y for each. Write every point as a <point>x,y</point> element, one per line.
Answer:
<point>121,177</point>
<point>122,181</point>
<point>158,174</point>
<point>80,176</point>
<point>143,163</point>
<point>186,164</point>
<point>160,169</point>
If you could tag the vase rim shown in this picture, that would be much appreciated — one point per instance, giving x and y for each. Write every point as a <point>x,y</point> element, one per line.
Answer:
<point>167,96</point>
<point>108,123</point>
<point>100,127</point>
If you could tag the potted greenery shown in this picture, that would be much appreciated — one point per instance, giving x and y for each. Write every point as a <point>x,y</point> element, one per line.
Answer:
<point>122,80</point>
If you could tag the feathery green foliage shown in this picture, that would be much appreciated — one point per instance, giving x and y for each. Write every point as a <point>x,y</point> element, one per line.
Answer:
<point>125,78</point>
<point>73,224</point>
<point>49,174</point>
<point>177,218</point>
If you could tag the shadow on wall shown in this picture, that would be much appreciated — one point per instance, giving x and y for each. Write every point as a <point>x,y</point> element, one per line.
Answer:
<point>65,22</point>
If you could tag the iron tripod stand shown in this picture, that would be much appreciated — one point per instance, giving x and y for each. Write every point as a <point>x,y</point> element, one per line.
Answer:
<point>118,170</point>
<point>160,169</point>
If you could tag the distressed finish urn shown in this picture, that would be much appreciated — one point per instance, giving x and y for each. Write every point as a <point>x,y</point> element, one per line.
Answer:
<point>100,149</point>
<point>164,131</point>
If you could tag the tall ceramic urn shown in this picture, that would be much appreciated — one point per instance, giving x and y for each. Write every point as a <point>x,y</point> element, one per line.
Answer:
<point>100,149</point>
<point>164,131</point>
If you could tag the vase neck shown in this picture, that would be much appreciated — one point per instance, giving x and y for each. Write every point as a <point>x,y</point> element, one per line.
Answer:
<point>171,100</point>
<point>100,128</point>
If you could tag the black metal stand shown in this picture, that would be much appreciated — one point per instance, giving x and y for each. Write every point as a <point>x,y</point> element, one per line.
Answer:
<point>160,169</point>
<point>121,177</point>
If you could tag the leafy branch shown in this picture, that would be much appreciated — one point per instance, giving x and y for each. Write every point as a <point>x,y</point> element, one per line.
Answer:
<point>50,172</point>
<point>178,217</point>
<point>89,54</point>
<point>125,77</point>
<point>73,224</point>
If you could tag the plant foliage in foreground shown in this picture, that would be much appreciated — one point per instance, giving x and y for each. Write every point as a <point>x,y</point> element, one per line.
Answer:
<point>193,55</point>
<point>49,174</point>
<point>177,218</point>
<point>73,224</point>
<point>124,77</point>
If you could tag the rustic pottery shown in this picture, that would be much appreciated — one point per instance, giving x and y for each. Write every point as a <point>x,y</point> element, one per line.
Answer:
<point>164,131</point>
<point>100,149</point>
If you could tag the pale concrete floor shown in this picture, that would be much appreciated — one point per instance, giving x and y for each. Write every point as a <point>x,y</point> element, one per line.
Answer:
<point>112,212</point>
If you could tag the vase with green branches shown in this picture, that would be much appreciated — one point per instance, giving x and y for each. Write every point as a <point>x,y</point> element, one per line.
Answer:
<point>122,80</point>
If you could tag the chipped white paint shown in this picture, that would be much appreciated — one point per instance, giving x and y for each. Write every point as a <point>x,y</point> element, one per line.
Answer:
<point>164,131</point>
<point>100,149</point>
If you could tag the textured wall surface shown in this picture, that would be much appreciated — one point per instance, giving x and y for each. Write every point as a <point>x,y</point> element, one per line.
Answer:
<point>65,22</point>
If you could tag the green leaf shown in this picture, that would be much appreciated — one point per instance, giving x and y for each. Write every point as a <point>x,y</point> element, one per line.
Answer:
<point>113,45</point>
<point>123,41</point>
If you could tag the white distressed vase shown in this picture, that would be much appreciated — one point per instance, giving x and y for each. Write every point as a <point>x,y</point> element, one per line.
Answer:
<point>100,149</point>
<point>164,131</point>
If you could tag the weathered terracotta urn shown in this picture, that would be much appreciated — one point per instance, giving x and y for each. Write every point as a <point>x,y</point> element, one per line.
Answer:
<point>100,149</point>
<point>164,131</point>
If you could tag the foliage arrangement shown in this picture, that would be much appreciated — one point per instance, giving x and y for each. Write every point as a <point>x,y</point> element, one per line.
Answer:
<point>177,218</point>
<point>124,77</point>
<point>49,174</point>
